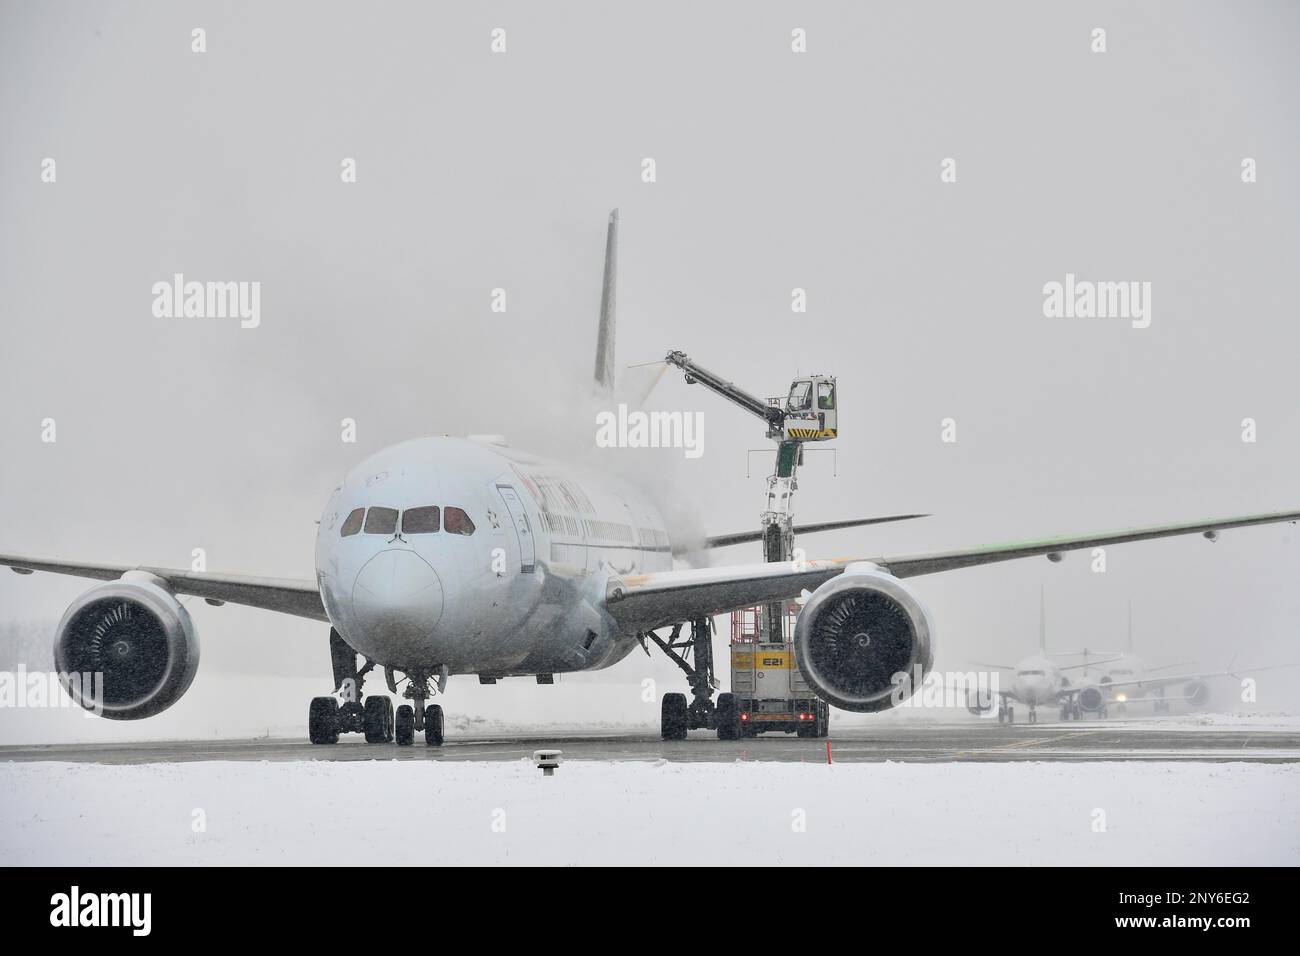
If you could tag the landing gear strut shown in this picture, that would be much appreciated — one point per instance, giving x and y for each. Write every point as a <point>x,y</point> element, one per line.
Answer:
<point>373,716</point>
<point>694,655</point>
<point>417,715</point>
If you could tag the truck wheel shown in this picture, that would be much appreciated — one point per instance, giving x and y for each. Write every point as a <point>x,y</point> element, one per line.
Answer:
<point>673,717</point>
<point>727,717</point>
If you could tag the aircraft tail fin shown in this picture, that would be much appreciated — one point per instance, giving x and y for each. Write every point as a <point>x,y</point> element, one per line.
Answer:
<point>608,296</point>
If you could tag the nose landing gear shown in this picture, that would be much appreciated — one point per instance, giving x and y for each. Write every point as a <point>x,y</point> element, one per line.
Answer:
<point>417,716</point>
<point>374,716</point>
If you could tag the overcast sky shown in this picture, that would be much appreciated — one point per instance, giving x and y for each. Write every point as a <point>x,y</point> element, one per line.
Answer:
<point>775,170</point>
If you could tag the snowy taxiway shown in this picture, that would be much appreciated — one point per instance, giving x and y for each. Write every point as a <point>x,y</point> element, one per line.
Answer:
<point>972,740</point>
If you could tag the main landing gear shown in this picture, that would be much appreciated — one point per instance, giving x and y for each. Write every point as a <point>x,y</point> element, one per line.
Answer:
<point>1006,713</point>
<point>374,716</point>
<point>694,655</point>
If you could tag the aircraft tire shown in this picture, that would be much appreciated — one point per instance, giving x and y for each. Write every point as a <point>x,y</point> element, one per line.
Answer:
<point>323,720</point>
<point>377,721</point>
<point>433,725</point>
<point>673,717</point>
<point>404,726</point>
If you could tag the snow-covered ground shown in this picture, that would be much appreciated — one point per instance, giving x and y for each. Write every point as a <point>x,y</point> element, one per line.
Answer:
<point>426,812</point>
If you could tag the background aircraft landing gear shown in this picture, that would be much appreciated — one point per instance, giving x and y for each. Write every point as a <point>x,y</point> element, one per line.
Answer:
<point>1033,715</point>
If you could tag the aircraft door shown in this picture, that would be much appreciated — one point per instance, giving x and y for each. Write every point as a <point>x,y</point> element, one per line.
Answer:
<point>523,531</point>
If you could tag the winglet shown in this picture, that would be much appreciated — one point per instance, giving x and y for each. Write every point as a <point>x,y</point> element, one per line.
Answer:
<point>608,294</point>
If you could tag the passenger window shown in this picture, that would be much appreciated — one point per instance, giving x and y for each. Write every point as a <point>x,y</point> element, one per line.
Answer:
<point>381,521</point>
<point>420,520</point>
<point>352,524</point>
<point>457,522</point>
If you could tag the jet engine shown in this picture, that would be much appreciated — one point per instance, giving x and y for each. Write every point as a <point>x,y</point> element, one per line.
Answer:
<point>1091,700</point>
<point>126,649</point>
<point>1197,693</point>
<point>857,634</point>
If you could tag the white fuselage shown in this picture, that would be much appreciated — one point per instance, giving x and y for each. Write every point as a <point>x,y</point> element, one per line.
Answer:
<point>1037,681</point>
<point>518,588</point>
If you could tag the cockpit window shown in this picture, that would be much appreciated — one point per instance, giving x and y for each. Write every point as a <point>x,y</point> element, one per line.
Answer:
<point>352,523</point>
<point>420,520</point>
<point>825,396</point>
<point>1032,674</point>
<point>456,521</point>
<point>800,396</point>
<point>381,521</point>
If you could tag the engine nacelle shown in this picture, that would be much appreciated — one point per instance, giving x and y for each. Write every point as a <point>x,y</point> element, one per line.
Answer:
<point>139,641</point>
<point>1197,693</point>
<point>1091,700</point>
<point>856,633</point>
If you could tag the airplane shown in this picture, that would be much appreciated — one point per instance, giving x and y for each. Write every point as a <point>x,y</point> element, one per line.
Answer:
<point>1125,679</point>
<point>1129,669</point>
<point>1038,680</point>
<point>444,556</point>
<point>1122,679</point>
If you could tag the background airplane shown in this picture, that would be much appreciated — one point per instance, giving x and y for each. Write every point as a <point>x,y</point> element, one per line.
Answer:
<point>1039,681</point>
<point>1108,678</point>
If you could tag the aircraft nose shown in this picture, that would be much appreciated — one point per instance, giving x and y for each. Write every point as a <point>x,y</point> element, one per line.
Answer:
<point>399,592</point>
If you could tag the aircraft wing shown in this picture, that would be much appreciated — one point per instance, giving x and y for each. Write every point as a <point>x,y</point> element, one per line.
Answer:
<point>299,598</point>
<point>746,537</point>
<point>647,601</point>
<point>1165,681</point>
<point>655,599</point>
